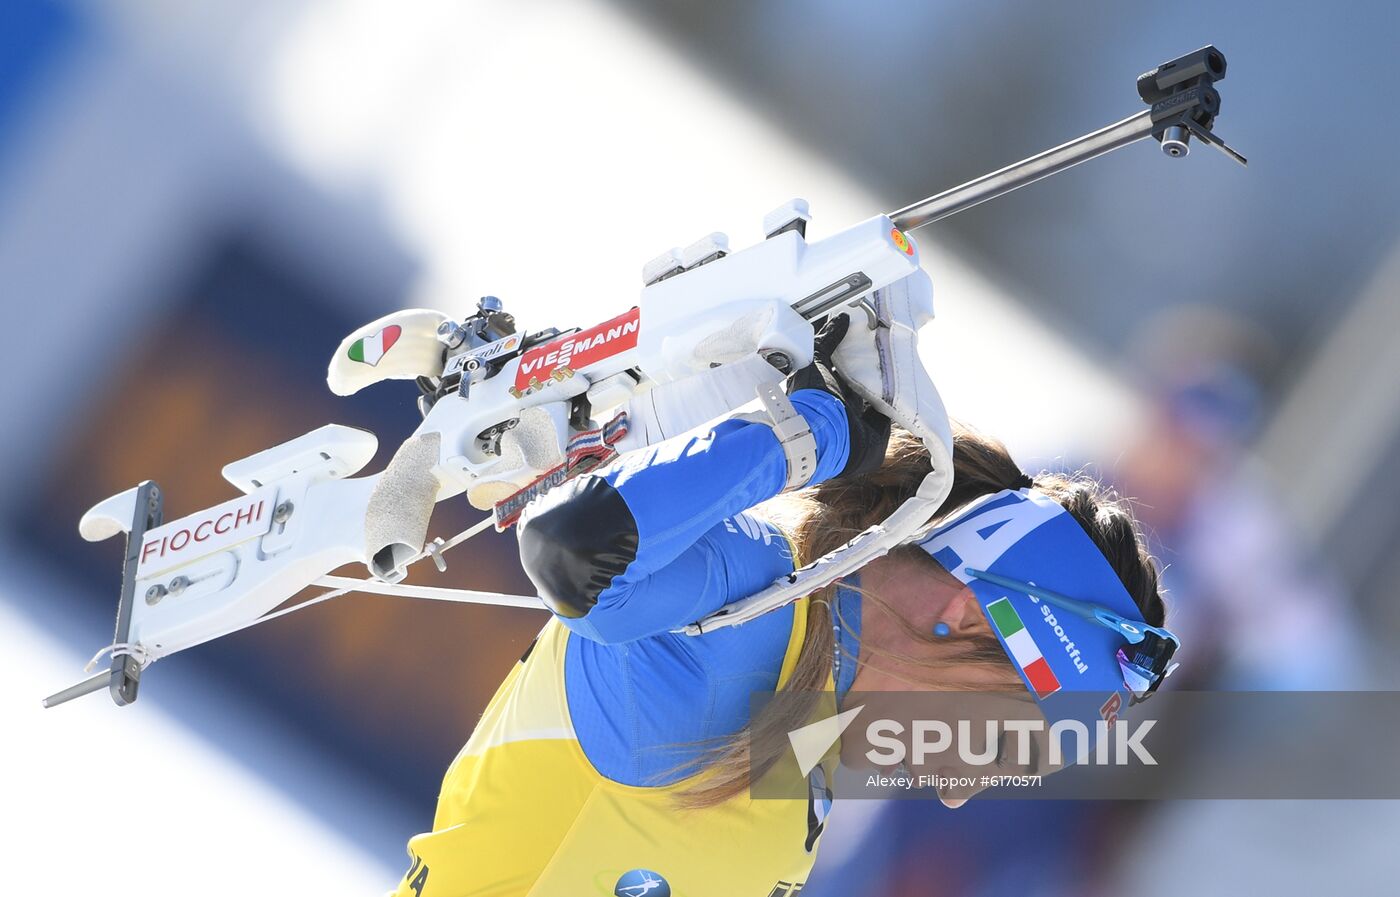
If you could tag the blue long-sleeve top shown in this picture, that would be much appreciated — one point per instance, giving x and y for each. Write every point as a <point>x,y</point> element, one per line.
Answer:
<point>658,540</point>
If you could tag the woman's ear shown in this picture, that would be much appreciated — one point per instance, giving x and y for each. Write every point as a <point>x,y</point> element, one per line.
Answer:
<point>963,615</point>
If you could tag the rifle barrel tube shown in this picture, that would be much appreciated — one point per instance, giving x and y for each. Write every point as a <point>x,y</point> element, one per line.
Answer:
<point>990,186</point>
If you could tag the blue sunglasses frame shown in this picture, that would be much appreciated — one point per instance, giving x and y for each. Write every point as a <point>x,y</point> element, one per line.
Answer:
<point>1143,670</point>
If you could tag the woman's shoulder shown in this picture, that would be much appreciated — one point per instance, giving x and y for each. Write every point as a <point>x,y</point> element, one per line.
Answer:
<point>635,705</point>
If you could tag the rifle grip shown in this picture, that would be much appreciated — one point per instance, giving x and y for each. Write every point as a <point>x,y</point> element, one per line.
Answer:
<point>396,518</point>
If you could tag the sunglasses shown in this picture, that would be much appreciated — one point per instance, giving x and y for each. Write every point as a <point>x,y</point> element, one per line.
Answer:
<point>1146,658</point>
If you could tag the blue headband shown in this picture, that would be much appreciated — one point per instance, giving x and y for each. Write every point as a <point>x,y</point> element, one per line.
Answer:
<point>1068,660</point>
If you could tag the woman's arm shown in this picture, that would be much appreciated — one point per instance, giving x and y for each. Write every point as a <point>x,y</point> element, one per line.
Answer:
<point>641,547</point>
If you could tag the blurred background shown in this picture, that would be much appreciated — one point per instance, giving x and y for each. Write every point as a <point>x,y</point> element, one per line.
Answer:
<point>199,200</point>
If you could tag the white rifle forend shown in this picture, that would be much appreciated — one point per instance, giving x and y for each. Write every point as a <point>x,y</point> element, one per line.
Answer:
<point>763,299</point>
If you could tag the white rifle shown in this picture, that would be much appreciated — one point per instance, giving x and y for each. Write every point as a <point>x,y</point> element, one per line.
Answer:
<point>508,414</point>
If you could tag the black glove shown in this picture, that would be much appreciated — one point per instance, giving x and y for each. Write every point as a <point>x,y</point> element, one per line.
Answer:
<point>869,429</point>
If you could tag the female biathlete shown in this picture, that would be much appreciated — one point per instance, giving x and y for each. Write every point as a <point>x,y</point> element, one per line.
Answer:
<point>615,758</point>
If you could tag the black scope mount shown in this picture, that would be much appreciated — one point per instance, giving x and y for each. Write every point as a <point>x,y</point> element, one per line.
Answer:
<point>1184,101</point>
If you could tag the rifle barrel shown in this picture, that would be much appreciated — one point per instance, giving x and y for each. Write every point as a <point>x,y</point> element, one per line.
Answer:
<point>997,183</point>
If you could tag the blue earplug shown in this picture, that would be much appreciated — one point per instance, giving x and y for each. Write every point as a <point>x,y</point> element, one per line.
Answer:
<point>941,629</point>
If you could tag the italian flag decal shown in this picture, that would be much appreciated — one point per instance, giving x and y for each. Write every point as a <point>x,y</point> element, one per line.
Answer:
<point>1023,648</point>
<point>372,348</point>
